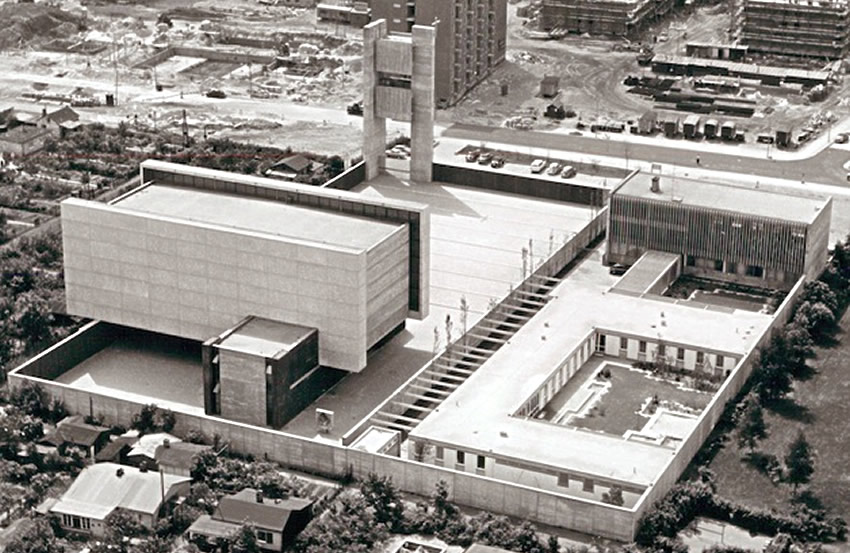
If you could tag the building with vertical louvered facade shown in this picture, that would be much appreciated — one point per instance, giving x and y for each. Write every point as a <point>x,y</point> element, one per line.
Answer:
<point>722,232</point>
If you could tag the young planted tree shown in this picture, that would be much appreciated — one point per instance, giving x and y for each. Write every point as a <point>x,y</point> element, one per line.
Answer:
<point>799,461</point>
<point>752,427</point>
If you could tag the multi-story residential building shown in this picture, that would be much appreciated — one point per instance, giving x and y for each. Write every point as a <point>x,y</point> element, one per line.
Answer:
<point>471,38</point>
<point>816,28</point>
<point>601,17</point>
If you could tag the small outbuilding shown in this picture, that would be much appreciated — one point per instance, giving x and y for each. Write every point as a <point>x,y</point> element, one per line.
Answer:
<point>549,86</point>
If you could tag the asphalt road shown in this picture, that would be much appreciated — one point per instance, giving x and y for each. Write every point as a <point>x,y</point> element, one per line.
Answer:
<point>825,167</point>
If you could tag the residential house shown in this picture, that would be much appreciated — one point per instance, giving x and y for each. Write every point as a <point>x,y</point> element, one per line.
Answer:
<point>74,431</point>
<point>178,458</point>
<point>104,488</point>
<point>59,122</point>
<point>143,452</point>
<point>116,451</point>
<point>24,140</point>
<point>291,167</point>
<point>277,521</point>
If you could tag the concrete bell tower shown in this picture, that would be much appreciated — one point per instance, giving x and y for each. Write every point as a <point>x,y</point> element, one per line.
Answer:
<point>398,83</point>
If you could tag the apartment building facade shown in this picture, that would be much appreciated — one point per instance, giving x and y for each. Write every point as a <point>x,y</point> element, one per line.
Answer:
<point>811,28</point>
<point>471,38</point>
<point>602,17</point>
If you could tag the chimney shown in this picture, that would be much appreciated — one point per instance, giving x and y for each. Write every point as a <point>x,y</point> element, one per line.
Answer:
<point>119,473</point>
<point>259,496</point>
<point>44,112</point>
<point>656,184</point>
<point>166,443</point>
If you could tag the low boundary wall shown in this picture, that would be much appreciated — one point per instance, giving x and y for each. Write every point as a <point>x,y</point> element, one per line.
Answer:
<point>336,460</point>
<point>208,53</point>
<point>521,185</point>
<point>349,179</point>
<point>709,417</point>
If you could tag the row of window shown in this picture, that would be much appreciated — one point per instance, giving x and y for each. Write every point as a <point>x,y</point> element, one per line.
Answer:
<point>661,350</point>
<point>460,458</point>
<point>78,523</point>
<point>586,483</point>
<point>729,267</point>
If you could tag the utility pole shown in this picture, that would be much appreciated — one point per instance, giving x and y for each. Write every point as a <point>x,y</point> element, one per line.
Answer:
<point>115,66</point>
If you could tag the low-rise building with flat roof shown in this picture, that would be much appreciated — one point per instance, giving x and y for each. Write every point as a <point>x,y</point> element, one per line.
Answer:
<point>723,232</point>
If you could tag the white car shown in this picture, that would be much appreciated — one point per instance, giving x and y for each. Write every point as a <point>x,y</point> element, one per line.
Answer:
<point>538,165</point>
<point>554,168</point>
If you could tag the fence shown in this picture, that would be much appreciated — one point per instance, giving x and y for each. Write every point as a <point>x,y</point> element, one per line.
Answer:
<point>712,413</point>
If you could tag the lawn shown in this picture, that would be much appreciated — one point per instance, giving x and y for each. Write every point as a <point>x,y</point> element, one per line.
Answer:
<point>821,408</point>
<point>617,410</point>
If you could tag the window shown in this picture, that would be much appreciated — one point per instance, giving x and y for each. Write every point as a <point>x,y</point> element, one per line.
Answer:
<point>642,346</point>
<point>690,261</point>
<point>588,485</point>
<point>481,462</point>
<point>564,480</point>
<point>731,268</point>
<point>662,350</point>
<point>78,523</point>
<point>461,458</point>
<point>700,358</point>
<point>680,354</point>
<point>718,264</point>
<point>720,361</point>
<point>439,453</point>
<point>600,343</point>
<point>624,343</point>
<point>264,536</point>
<point>755,271</point>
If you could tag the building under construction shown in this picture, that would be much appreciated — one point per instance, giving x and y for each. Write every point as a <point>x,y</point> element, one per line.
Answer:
<point>601,17</point>
<point>811,28</point>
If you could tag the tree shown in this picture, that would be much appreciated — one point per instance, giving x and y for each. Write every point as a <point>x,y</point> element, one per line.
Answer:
<point>243,540</point>
<point>752,427</point>
<point>771,374</point>
<point>552,545</point>
<point>799,461</point>
<point>614,496</point>
<point>817,318</point>
<point>444,510</point>
<point>816,291</point>
<point>32,318</point>
<point>30,398</point>
<point>380,493</point>
<point>37,538</point>
<point>16,276</point>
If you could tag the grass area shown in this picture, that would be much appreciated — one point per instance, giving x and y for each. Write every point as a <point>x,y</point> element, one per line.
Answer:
<point>819,407</point>
<point>617,410</point>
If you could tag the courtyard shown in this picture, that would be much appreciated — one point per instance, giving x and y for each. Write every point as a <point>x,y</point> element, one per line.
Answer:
<point>613,398</point>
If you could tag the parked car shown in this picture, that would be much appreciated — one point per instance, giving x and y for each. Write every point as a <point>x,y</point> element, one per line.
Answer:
<point>538,165</point>
<point>554,168</point>
<point>842,138</point>
<point>497,163</point>
<point>568,172</point>
<point>215,93</point>
<point>617,269</point>
<point>355,109</point>
<point>396,153</point>
<point>485,158</point>
<point>472,157</point>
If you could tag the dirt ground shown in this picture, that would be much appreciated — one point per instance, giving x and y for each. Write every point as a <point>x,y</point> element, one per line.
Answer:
<point>592,71</point>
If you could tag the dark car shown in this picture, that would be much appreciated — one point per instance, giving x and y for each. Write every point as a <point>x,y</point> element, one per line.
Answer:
<point>216,94</point>
<point>355,109</point>
<point>472,156</point>
<point>485,158</point>
<point>497,162</point>
<point>617,269</point>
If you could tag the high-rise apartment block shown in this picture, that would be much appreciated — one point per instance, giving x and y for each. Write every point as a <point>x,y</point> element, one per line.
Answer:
<point>470,38</point>
<point>814,28</point>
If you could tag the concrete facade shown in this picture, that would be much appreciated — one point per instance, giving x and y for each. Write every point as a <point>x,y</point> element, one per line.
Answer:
<point>470,43</point>
<point>398,83</point>
<point>189,279</point>
<point>608,17</point>
<point>786,27</point>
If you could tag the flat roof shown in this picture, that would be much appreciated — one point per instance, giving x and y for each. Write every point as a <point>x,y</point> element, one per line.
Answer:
<point>258,215</point>
<point>486,401</point>
<point>645,272</point>
<point>738,67</point>
<point>264,337</point>
<point>705,193</point>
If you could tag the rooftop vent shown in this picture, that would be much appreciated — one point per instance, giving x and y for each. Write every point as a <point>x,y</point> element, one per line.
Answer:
<point>656,184</point>
<point>119,473</point>
<point>259,496</point>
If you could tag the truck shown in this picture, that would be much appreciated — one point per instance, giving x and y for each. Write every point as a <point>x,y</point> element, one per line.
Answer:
<point>671,127</point>
<point>710,128</point>
<point>691,127</point>
<point>727,130</point>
